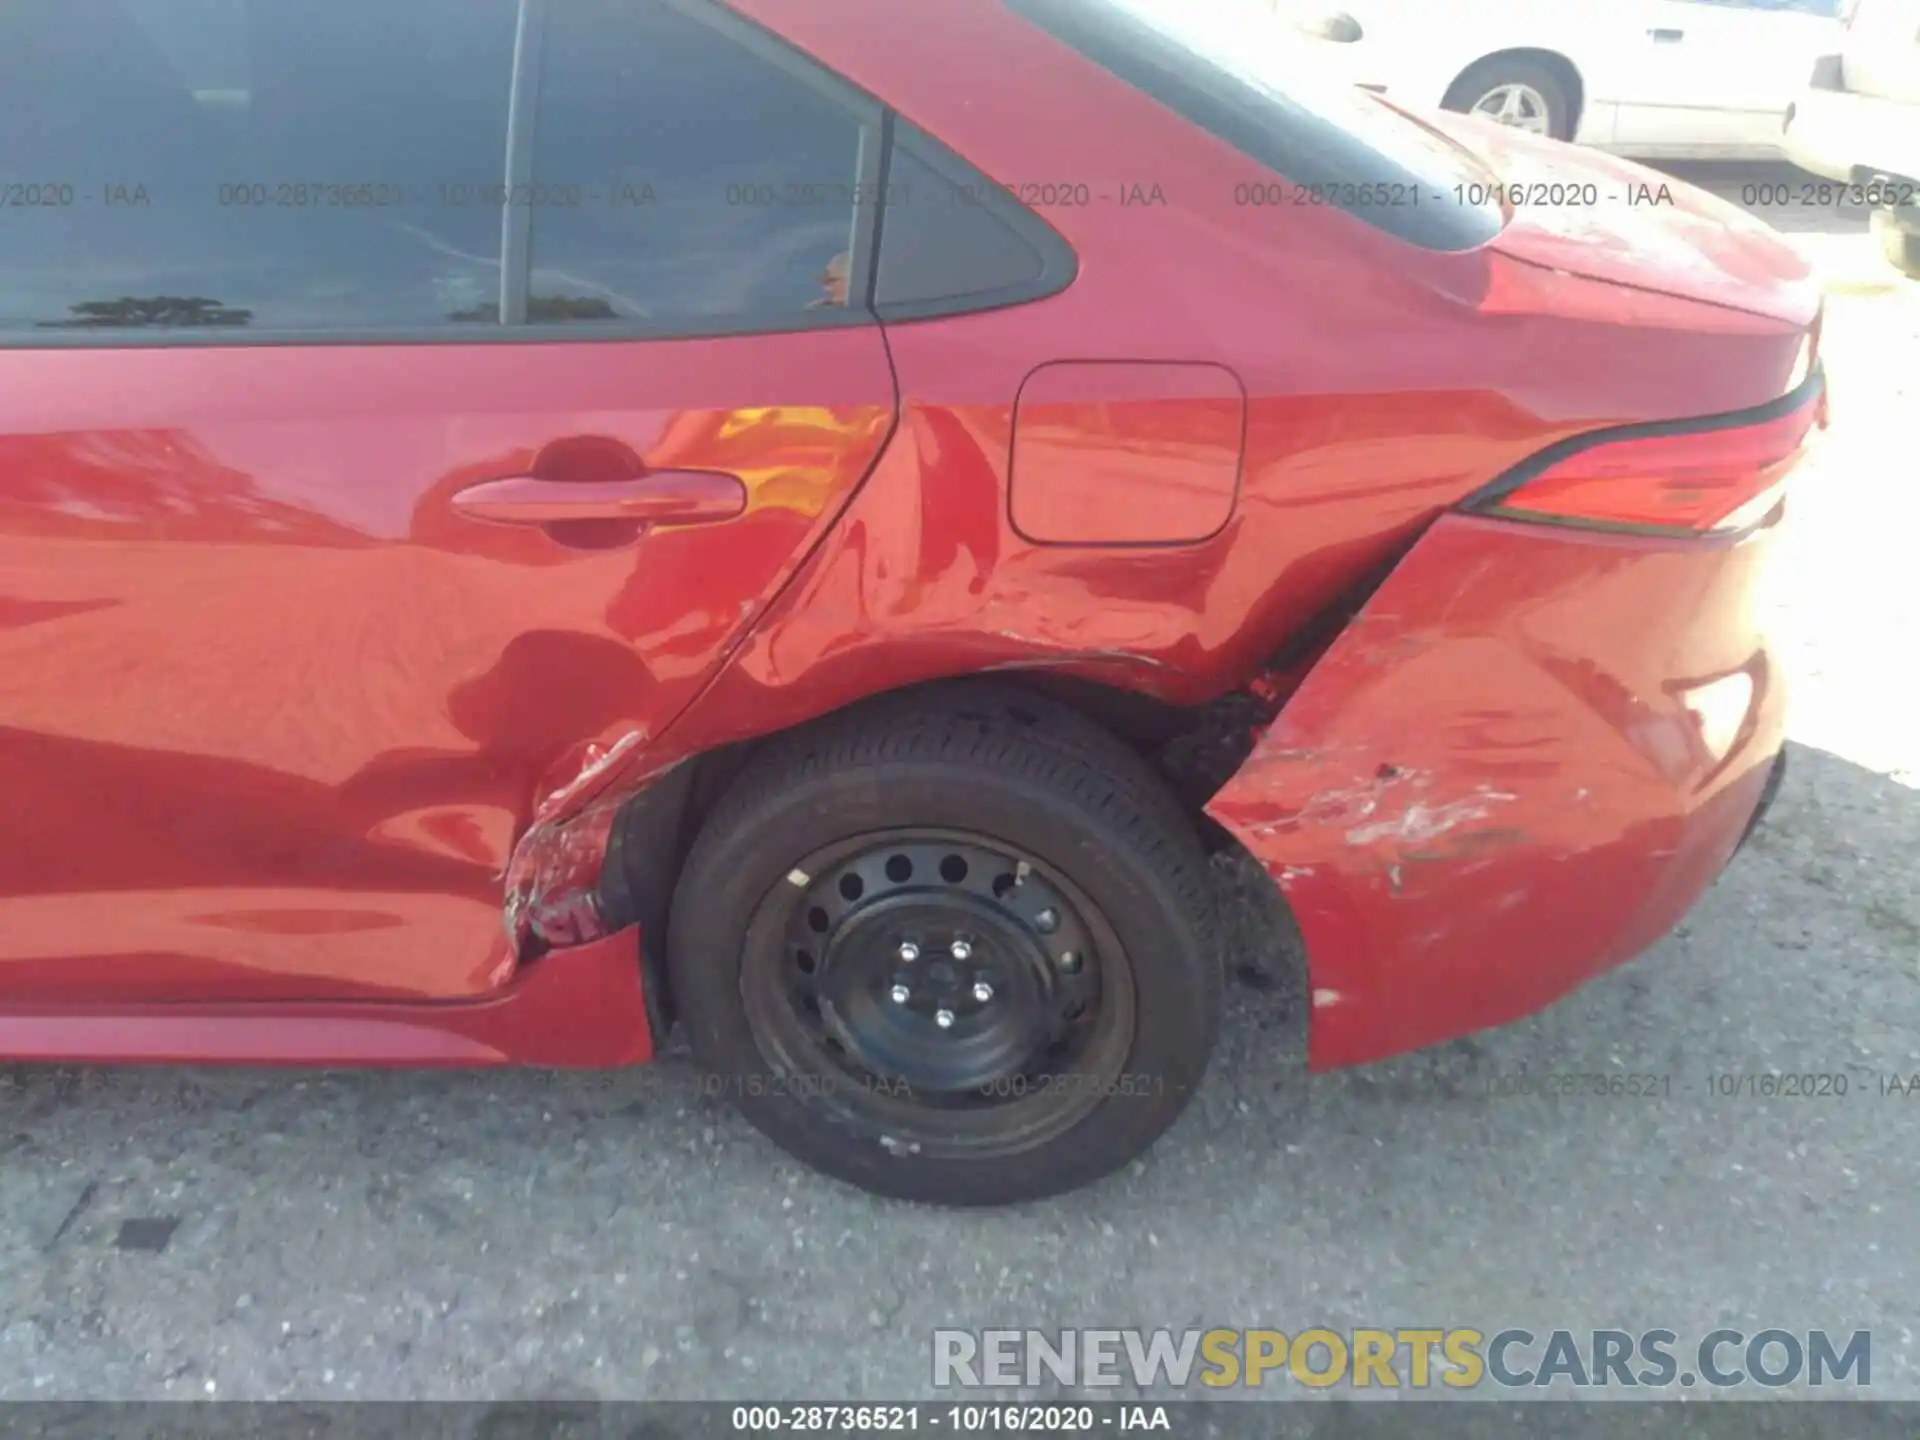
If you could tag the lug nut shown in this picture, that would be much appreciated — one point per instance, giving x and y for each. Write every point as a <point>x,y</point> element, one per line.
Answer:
<point>982,991</point>
<point>909,951</point>
<point>943,1018</point>
<point>1069,961</point>
<point>901,994</point>
<point>960,949</point>
<point>1048,921</point>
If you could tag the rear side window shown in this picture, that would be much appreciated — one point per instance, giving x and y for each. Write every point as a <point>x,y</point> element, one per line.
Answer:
<point>422,169</point>
<point>220,170</point>
<point>1236,71</point>
<point>684,173</point>
<point>227,166</point>
<point>952,240</point>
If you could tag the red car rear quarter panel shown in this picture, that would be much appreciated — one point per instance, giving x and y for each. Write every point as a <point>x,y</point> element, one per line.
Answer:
<point>1608,218</point>
<point>1163,468</point>
<point>1384,382</point>
<point>1522,762</point>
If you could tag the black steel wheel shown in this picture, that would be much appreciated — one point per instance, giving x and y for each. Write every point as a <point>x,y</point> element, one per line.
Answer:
<point>942,985</point>
<point>952,947</point>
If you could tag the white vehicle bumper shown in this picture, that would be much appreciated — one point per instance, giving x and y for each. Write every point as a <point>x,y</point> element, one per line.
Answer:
<point>1840,134</point>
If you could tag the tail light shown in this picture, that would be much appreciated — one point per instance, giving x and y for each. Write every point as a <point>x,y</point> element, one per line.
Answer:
<point>1718,476</point>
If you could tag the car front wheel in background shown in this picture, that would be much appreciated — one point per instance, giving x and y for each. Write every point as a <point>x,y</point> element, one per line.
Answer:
<point>1515,90</point>
<point>953,947</point>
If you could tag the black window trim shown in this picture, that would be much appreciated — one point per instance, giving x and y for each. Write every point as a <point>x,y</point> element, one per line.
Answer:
<point>523,108</point>
<point>1135,52</point>
<point>516,232</point>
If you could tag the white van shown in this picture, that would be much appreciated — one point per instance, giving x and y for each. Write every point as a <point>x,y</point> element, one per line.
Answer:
<point>1858,120</point>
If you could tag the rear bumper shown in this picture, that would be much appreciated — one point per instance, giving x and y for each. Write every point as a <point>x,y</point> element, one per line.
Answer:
<point>1521,764</point>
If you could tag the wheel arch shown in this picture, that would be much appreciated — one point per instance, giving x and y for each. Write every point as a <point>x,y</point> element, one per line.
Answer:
<point>1195,749</point>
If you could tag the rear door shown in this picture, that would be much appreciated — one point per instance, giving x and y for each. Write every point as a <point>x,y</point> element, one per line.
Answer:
<point>397,397</point>
<point>1716,76</point>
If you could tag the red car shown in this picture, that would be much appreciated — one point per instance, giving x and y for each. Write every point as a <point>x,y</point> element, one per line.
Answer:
<point>523,521</point>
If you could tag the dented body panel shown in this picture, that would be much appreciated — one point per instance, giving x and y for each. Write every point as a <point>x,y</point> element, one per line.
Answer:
<point>1522,762</point>
<point>282,722</point>
<point>276,714</point>
<point>1381,384</point>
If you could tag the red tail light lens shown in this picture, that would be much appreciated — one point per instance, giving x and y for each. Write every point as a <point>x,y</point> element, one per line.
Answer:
<point>1688,482</point>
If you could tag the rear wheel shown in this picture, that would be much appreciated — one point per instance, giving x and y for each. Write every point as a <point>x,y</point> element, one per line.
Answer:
<point>953,947</point>
<point>1517,91</point>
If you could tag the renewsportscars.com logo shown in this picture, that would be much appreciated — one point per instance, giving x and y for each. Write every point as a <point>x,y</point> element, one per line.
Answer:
<point>1418,1359</point>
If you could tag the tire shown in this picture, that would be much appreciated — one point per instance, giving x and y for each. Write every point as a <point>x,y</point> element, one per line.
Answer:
<point>1900,246</point>
<point>1488,77</point>
<point>1045,816</point>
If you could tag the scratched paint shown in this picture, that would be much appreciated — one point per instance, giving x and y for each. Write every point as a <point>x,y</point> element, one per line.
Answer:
<point>1421,822</point>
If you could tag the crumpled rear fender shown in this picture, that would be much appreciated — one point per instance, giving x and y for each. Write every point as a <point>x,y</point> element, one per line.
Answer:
<point>1522,761</point>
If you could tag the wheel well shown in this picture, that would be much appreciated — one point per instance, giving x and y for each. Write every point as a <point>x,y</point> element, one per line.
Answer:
<point>1560,65</point>
<point>1194,748</point>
